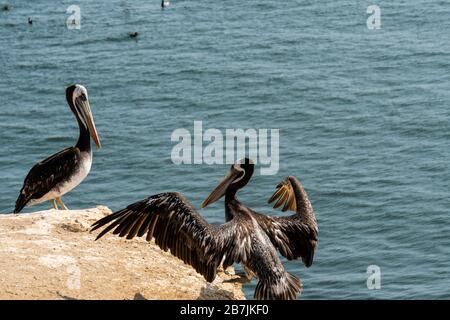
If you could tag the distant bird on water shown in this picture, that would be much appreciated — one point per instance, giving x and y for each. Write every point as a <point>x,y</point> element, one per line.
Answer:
<point>6,7</point>
<point>133,34</point>
<point>165,3</point>
<point>247,237</point>
<point>53,177</point>
<point>30,21</point>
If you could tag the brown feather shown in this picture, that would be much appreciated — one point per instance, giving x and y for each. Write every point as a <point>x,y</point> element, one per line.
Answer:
<point>276,194</point>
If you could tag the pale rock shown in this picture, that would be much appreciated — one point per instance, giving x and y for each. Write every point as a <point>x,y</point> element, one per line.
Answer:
<point>52,255</point>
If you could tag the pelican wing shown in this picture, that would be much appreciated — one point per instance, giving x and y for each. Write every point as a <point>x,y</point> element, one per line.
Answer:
<point>294,236</point>
<point>176,225</point>
<point>45,175</point>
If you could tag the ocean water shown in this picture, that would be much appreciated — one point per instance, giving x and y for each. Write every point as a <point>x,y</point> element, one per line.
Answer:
<point>363,118</point>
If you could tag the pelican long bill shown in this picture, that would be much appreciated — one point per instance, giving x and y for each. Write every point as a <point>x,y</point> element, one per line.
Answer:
<point>220,190</point>
<point>83,105</point>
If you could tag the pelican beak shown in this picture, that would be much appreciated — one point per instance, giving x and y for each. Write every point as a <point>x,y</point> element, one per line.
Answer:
<point>220,190</point>
<point>83,104</point>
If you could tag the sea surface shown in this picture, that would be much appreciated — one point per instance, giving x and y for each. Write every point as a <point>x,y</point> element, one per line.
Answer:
<point>363,118</point>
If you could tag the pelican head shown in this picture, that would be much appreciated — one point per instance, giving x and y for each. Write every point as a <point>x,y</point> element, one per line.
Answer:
<point>77,97</point>
<point>238,176</point>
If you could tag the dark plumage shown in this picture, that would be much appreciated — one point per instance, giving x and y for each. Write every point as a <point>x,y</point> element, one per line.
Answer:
<point>247,237</point>
<point>175,225</point>
<point>294,236</point>
<point>48,174</point>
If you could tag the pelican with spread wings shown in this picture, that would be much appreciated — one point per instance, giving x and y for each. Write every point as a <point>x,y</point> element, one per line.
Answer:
<point>247,237</point>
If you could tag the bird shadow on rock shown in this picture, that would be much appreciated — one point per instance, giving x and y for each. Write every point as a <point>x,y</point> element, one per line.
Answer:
<point>63,296</point>
<point>139,296</point>
<point>241,280</point>
<point>238,277</point>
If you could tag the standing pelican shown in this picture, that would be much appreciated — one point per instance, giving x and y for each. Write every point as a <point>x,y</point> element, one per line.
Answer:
<point>53,177</point>
<point>247,237</point>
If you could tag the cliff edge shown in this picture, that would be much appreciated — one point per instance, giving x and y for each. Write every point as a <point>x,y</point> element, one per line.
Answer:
<point>51,255</point>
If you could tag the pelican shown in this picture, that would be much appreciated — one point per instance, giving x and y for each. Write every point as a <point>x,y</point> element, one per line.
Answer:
<point>246,237</point>
<point>295,236</point>
<point>53,177</point>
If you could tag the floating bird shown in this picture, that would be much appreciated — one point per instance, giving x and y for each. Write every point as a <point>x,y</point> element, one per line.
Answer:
<point>247,237</point>
<point>6,7</point>
<point>30,21</point>
<point>165,3</point>
<point>133,34</point>
<point>53,177</point>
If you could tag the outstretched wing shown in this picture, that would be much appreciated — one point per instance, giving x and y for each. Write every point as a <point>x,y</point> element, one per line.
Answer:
<point>176,225</point>
<point>45,175</point>
<point>294,236</point>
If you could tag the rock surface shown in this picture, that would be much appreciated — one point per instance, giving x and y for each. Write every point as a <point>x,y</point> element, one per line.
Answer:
<point>52,255</point>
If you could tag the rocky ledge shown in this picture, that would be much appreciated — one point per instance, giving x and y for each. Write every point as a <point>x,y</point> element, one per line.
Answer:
<point>51,255</point>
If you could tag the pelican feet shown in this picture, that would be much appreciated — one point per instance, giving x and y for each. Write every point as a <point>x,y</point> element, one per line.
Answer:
<point>54,206</point>
<point>57,201</point>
